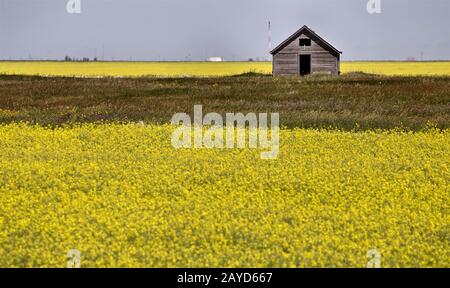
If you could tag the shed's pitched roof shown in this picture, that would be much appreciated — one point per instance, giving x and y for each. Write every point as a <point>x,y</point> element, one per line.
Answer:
<point>302,30</point>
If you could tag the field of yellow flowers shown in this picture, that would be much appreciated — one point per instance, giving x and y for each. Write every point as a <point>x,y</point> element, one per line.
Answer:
<point>133,69</point>
<point>202,69</point>
<point>122,196</point>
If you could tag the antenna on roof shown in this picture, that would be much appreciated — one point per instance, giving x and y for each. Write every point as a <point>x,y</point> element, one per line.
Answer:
<point>270,36</point>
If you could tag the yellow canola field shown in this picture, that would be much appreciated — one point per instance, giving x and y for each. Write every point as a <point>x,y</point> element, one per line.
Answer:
<point>398,68</point>
<point>203,69</point>
<point>133,69</point>
<point>122,196</point>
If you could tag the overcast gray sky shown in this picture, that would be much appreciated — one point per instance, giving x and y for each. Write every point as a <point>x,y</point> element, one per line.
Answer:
<point>233,29</point>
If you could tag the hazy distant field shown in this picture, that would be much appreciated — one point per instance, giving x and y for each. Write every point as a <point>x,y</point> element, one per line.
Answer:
<point>133,69</point>
<point>185,69</point>
<point>398,68</point>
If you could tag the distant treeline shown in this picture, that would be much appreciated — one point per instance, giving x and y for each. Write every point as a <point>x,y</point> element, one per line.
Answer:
<point>84,59</point>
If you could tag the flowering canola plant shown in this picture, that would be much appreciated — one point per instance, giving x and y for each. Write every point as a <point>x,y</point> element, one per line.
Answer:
<point>124,197</point>
<point>203,69</point>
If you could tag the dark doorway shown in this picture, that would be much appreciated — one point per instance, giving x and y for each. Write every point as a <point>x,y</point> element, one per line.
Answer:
<point>305,65</point>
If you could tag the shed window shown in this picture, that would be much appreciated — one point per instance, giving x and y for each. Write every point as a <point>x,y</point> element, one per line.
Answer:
<point>305,42</point>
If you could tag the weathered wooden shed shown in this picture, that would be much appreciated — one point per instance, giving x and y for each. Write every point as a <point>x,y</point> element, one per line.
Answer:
<point>304,53</point>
